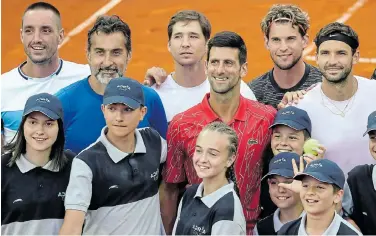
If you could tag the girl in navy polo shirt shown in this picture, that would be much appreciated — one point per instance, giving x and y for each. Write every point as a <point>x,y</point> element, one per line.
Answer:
<point>35,171</point>
<point>212,207</point>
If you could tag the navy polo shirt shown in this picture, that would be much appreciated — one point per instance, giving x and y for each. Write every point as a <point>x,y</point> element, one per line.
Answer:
<point>339,226</point>
<point>117,190</point>
<point>32,197</point>
<point>219,213</point>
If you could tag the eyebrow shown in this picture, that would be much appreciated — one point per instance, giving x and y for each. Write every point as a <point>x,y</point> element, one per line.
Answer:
<point>32,117</point>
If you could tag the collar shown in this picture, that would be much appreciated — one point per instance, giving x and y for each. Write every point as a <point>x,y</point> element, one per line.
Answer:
<point>374,176</point>
<point>331,230</point>
<point>212,198</point>
<point>277,222</point>
<point>240,115</point>
<point>28,77</point>
<point>25,165</point>
<point>115,154</point>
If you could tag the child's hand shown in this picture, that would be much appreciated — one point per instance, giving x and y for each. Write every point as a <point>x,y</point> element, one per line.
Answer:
<point>296,185</point>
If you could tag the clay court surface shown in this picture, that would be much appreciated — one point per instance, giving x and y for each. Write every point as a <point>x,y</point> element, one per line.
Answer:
<point>148,20</point>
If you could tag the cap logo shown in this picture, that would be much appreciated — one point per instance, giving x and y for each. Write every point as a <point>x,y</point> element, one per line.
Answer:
<point>331,35</point>
<point>315,165</point>
<point>44,100</point>
<point>288,113</point>
<point>279,160</point>
<point>123,87</point>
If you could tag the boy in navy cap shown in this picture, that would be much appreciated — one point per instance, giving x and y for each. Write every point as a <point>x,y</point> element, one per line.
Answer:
<point>287,201</point>
<point>321,189</point>
<point>290,129</point>
<point>114,182</point>
<point>360,198</point>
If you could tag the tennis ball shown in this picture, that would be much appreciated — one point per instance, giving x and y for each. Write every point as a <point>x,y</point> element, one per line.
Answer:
<point>310,145</point>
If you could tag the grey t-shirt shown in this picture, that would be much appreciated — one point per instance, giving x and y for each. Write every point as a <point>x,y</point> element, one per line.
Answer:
<point>268,92</point>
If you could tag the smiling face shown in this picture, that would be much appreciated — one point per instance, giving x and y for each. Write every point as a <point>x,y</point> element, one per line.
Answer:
<point>40,132</point>
<point>108,57</point>
<point>285,45</point>
<point>286,139</point>
<point>224,70</point>
<point>211,157</point>
<point>187,44</point>
<point>317,197</point>
<point>122,120</point>
<point>282,198</point>
<point>41,35</point>
<point>335,60</point>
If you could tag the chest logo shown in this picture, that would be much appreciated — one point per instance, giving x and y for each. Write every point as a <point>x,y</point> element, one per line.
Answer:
<point>62,195</point>
<point>155,175</point>
<point>198,230</point>
<point>252,141</point>
<point>17,200</point>
<point>113,186</point>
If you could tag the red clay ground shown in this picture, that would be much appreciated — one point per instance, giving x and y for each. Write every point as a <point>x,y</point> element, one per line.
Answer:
<point>148,20</point>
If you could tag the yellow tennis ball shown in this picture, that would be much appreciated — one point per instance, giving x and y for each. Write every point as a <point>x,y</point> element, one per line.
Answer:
<point>310,145</point>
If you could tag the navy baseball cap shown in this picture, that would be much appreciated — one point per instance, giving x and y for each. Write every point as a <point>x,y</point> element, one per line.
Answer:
<point>281,164</point>
<point>45,103</point>
<point>325,171</point>
<point>294,118</point>
<point>124,90</point>
<point>371,123</point>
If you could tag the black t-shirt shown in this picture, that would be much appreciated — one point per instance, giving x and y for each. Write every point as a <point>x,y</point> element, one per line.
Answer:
<point>268,92</point>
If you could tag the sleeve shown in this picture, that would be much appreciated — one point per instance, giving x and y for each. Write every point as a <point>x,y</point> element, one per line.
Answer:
<point>255,231</point>
<point>164,150</point>
<point>79,191</point>
<point>227,227</point>
<point>347,201</point>
<point>158,119</point>
<point>177,217</point>
<point>173,171</point>
<point>64,99</point>
<point>246,91</point>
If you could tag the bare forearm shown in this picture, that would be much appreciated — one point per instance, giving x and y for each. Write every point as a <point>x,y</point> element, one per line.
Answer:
<point>169,201</point>
<point>73,223</point>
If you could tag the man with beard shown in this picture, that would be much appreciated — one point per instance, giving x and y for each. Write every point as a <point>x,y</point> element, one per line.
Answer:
<point>43,71</point>
<point>108,53</point>
<point>226,66</point>
<point>285,33</point>
<point>340,105</point>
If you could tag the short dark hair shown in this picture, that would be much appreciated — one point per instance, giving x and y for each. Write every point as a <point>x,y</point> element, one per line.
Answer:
<point>231,40</point>
<point>189,15</point>
<point>44,6</point>
<point>110,25</point>
<point>336,27</point>
<point>336,189</point>
<point>18,146</point>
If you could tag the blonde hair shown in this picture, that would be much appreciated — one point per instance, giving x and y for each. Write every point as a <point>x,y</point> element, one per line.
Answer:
<point>283,14</point>
<point>232,147</point>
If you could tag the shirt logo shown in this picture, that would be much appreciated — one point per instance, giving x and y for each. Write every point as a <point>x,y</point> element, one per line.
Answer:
<point>198,230</point>
<point>365,213</point>
<point>123,87</point>
<point>155,175</point>
<point>62,195</point>
<point>113,186</point>
<point>18,200</point>
<point>252,141</point>
<point>44,100</point>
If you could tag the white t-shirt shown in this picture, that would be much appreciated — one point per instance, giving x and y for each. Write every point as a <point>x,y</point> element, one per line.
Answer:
<point>16,88</point>
<point>177,99</point>
<point>342,136</point>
